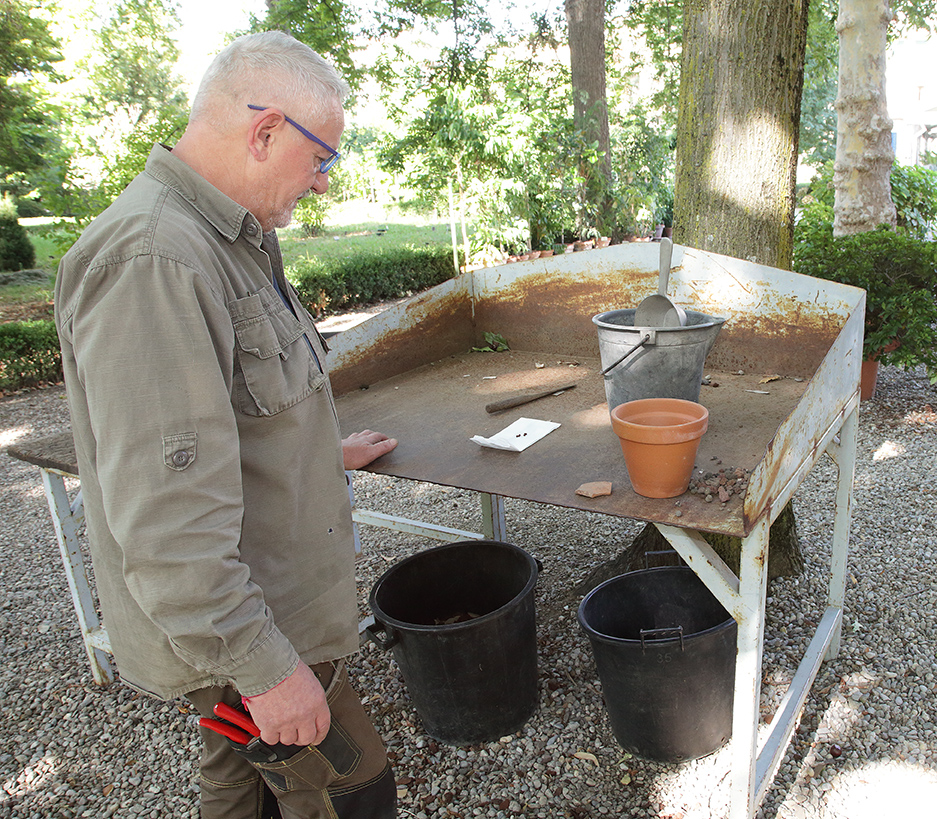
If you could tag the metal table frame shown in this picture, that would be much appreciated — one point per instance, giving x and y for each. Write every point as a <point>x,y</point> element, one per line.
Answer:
<point>777,321</point>
<point>68,517</point>
<point>754,764</point>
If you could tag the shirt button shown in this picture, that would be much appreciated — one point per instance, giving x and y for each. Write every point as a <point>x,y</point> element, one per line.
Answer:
<point>180,458</point>
<point>251,229</point>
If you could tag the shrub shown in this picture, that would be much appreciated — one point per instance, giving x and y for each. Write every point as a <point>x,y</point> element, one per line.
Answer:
<point>310,213</point>
<point>898,273</point>
<point>369,278</point>
<point>16,251</point>
<point>29,354</point>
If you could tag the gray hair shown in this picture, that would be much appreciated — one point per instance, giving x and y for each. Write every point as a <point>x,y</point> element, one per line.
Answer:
<point>270,68</point>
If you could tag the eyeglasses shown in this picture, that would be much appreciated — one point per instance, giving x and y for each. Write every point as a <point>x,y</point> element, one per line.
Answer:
<point>325,165</point>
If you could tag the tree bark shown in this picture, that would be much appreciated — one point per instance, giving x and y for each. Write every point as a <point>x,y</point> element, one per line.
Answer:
<point>740,91</point>
<point>650,548</point>
<point>864,155</point>
<point>741,80</point>
<point>586,27</point>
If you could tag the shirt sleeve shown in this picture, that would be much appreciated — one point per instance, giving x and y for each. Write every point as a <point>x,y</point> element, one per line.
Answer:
<point>154,351</point>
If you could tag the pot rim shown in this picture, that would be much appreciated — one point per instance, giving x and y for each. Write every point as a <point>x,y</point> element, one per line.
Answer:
<point>696,423</point>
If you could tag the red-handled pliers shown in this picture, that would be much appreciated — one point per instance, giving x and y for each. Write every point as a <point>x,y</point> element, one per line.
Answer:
<point>241,731</point>
<point>240,728</point>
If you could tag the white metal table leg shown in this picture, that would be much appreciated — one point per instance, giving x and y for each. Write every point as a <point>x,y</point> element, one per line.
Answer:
<point>399,524</point>
<point>753,578</point>
<point>66,519</point>
<point>844,454</point>
<point>493,522</point>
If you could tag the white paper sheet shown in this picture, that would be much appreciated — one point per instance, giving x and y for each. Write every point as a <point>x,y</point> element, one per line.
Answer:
<point>518,436</point>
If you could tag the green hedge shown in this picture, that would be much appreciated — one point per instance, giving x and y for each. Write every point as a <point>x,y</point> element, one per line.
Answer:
<point>29,350</point>
<point>369,278</point>
<point>29,355</point>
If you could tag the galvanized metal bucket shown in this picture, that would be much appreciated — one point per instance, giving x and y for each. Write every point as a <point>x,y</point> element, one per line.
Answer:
<point>653,362</point>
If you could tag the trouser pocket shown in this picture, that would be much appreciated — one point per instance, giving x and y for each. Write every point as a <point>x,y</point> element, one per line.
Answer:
<point>312,766</point>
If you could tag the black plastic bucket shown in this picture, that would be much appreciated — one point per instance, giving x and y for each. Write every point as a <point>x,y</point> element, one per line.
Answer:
<point>460,620</point>
<point>665,652</point>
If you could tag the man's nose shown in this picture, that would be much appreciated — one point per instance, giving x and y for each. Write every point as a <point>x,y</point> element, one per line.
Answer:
<point>321,185</point>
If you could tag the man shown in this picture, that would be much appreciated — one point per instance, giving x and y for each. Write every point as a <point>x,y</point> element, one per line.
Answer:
<point>210,455</point>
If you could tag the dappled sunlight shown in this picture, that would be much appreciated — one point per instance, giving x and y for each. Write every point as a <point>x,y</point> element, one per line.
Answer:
<point>596,417</point>
<point>882,789</point>
<point>31,778</point>
<point>13,435</point>
<point>887,450</point>
<point>759,127</point>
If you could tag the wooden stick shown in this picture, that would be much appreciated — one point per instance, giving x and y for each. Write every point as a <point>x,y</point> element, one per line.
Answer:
<point>524,398</point>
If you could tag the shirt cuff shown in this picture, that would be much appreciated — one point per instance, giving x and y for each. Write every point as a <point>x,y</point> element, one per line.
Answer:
<point>265,666</point>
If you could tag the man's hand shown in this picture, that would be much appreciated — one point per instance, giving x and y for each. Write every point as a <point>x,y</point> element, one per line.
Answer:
<point>294,712</point>
<point>361,448</point>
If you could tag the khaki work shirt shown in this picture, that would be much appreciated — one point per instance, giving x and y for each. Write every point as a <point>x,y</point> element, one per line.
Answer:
<point>210,456</point>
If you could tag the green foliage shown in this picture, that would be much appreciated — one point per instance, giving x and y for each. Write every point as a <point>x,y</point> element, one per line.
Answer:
<point>132,68</point>
<point>821,77</point>
<point>659,29</point>
<point>16,251</point>
<point>368,277</point>
<point>165,126</point>
<point>327,28</point>
<point>643,171</point>
<point>310,213</point>
<point>494,343</point>
<point>29,355</point>
<point>29,130</point>
<point>899,274</point>
<point>132,98</point>
<point>914,192</point>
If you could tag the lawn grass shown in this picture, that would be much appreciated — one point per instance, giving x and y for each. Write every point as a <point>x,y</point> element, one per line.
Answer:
<point>359,227</point>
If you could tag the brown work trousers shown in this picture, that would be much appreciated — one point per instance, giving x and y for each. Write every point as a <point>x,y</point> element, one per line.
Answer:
<point>355,784</point>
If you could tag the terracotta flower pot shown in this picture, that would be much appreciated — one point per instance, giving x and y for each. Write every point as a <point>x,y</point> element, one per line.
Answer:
<point>869,379</point>
<point>869,373</point>
<point>659,439</point>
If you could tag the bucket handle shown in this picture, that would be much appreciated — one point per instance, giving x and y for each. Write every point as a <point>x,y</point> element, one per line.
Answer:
<point>660,633</point>
<point>383,642</point>
<point>647,338</point>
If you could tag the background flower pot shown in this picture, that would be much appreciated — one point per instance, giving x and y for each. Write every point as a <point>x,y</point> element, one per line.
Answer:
<point>868,379</point>
<point>659,438</point>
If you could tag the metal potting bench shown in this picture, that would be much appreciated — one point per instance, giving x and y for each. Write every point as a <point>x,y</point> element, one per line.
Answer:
<point>409,372</point>
<point>787,366</point>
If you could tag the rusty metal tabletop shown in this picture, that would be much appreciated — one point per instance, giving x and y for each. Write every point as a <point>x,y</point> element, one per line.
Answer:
<point>48,452</point>
<point>434,410</point>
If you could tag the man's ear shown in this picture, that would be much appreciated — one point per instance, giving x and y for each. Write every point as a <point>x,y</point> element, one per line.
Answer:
<point>264,129</point>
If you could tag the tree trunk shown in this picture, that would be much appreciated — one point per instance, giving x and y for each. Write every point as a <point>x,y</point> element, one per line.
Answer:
<point>586,23</point>
<point>741,79</point>
<point>651,548</point>
<point>740,91</point>
<point>864,155</point>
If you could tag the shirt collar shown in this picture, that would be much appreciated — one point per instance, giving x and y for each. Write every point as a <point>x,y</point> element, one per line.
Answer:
<point>228,217</point>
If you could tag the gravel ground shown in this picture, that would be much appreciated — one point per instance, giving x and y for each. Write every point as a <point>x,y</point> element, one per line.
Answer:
<point>866,745</point>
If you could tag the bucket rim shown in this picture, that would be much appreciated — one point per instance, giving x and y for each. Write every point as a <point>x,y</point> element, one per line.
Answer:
<point>600,320</point>
<point>382,617</point>
<point>593,634</point>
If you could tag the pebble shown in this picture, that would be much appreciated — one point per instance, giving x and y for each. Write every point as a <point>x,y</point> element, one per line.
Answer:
<point>71,749</point>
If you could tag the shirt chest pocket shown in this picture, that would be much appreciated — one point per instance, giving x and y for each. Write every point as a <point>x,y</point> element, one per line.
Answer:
<point>274,368</point>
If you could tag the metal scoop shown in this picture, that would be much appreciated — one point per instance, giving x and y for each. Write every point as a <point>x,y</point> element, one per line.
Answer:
<point>659,310</point>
